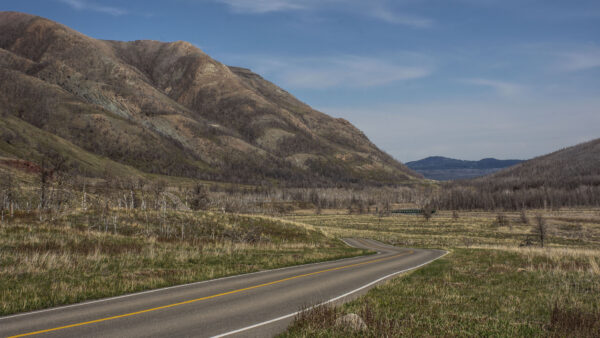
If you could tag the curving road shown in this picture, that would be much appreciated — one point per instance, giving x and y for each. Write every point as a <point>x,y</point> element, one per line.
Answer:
<point>251,305</point>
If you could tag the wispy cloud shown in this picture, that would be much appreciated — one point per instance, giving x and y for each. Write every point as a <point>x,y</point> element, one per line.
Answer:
<point>377,9</point>
<point>343,71</point>
<point>579,60</point>
<point>87,5</point>
<point>507,89</point>
<point>389,16</point>
<point>262,6</point>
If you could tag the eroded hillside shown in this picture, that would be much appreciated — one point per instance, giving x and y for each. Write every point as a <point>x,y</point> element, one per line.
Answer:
<point>168,108</point>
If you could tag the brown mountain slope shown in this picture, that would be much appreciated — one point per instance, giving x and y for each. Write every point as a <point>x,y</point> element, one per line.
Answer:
<point>567,168</point>
<point>565,178</point>
<point>169,108</point>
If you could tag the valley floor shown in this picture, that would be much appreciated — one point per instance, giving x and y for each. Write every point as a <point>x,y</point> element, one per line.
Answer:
<point>487,285</point>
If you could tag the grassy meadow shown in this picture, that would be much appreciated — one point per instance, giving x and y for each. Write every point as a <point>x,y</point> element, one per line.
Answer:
<point>496,281</point>
<point>489,285</point>
<point>83,255</point>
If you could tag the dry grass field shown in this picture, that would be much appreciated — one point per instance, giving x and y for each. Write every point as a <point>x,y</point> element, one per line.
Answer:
<point>489,284</point>
<point>496,281</point>
<point>567,228</point>
<point>88,255</point>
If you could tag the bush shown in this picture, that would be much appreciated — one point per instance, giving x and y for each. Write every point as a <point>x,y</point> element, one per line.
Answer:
<point>502,220</point>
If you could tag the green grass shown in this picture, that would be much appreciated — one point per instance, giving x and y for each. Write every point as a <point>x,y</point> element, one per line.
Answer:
<point>486,286</point>
<point>85,255</point>
<point>473,292</point>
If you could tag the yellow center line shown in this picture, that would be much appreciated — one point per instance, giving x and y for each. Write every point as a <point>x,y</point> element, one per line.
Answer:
<point>207,297</point>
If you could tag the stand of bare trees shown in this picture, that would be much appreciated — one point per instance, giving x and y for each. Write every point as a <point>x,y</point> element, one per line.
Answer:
<point>59,188</point>
<point>459,196</point>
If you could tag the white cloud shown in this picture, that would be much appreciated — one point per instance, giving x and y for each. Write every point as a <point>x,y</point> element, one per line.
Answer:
<point>262,6</point>
<point>389,16</point>
<point>86,5</point>
<point>346,71</point>
<point>506,89</point>
<point>377,9</point>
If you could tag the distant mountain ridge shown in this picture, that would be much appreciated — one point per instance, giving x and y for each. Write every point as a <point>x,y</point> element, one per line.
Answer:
<point>443,168</point>
<point>147,107</point>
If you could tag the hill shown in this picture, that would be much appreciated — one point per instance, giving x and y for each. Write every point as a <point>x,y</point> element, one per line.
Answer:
<point>444,168</point>
<point>150,107</point>
<point>567,177</point>
<point>567,168</point>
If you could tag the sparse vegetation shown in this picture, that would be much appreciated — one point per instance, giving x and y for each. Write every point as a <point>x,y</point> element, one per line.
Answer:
<point>474,292</point>
<point>100,253</point>
<point>487,286</point>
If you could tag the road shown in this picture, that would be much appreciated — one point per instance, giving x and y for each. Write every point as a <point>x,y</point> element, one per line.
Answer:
<point>251,305</point>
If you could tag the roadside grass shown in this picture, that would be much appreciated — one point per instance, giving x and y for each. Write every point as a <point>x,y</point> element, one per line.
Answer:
<point>89,255</point>
<point>487,286</point>
<point>472,292</point>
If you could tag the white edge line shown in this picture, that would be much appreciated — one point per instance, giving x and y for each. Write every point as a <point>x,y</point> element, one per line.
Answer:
<point>179,286</point>
<point>328,301</point>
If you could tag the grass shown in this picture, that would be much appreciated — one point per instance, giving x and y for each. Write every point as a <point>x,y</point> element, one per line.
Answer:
<point>26,138</point>
<point>487,286</point>
<point>89,255</point>
<point>568,228</point>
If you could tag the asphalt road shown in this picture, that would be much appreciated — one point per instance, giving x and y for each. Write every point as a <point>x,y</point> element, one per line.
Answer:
<point>252,305</point>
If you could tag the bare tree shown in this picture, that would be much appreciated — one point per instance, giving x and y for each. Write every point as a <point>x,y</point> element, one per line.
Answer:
<point>84,204</point>
<point>199,199</point>
<point>387,208</point>
<point>524,218</point>
<point>540,229</point>
<point>455,215</point>
<point>424,202</point>
<point>52,165</point>
<point>502,220</point>
<point>427,212</point>
<point>158,188</point>
<point>8,189</point>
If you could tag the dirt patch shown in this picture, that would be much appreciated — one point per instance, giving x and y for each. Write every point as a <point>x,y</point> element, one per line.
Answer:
<point>21,165</point>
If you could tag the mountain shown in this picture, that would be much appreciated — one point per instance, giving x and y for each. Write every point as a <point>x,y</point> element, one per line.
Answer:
<point>150,107</point>
<point>444,168</point>
<point>568,168</point>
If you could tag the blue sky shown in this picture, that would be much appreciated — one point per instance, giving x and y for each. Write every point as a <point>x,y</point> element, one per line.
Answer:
<point>458,78</point>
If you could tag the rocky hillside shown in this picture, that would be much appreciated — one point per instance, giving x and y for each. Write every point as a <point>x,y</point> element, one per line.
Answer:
<point>145,107</point>
<point>445,169</point>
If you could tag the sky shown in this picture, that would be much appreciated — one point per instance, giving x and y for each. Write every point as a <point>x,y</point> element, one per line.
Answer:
<point>466,79</point>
